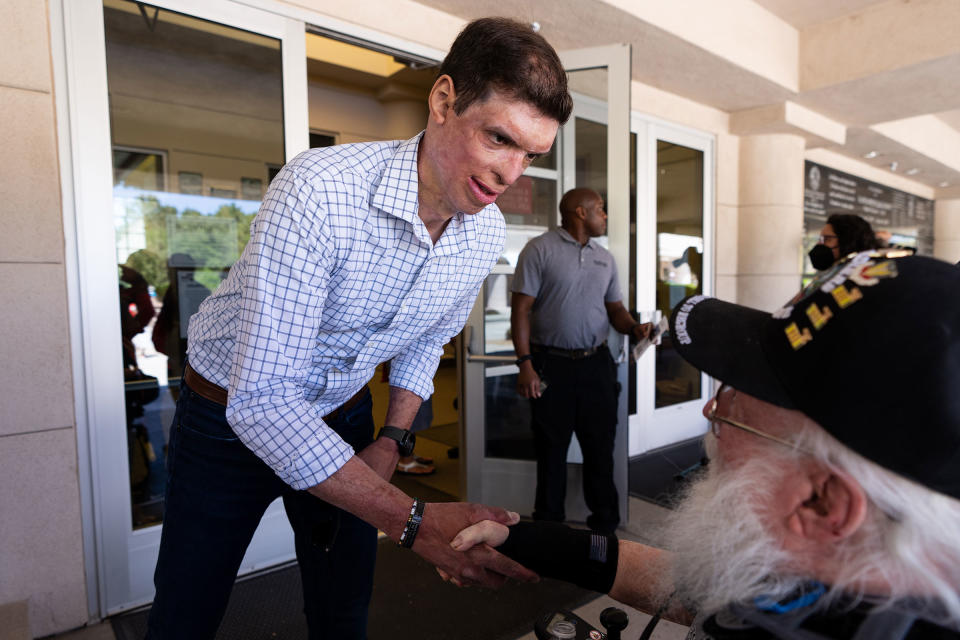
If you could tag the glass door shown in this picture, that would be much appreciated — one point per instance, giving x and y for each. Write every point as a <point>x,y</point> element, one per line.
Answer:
<point>197,106</point>
<point>591,151</point>
<point>674,241</point>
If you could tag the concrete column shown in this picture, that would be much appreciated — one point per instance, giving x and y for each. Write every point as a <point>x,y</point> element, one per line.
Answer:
<point>728,185</point>
<point>946,229</point>
<point>770,219</point>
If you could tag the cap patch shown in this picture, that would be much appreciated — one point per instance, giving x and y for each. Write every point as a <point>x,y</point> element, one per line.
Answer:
<point>860,270</point>
<point>797,337</point>
<point>680,324</point>
<point>871,273</point>
<point>846,297</point>
<point>818,316</point>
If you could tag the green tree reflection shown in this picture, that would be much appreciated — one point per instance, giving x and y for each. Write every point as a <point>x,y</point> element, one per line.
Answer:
<point>213,241</point>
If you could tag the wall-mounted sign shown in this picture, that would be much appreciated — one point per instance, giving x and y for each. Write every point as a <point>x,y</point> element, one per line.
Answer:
<point>907,217</point>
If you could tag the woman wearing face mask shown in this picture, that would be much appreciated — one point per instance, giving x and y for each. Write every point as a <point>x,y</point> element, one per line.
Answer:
<point>844,233</point>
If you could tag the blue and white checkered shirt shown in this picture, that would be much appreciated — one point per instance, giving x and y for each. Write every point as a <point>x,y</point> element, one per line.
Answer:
<point>339,275</point>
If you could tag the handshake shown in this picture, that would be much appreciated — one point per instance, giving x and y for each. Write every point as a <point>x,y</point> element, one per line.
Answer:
<point>590,558</point>
<point>458,538</point>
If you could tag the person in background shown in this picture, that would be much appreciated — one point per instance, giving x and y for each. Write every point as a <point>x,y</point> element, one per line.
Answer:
<point>169,334</point>
<point>414,465</point>
<point>843,234</point>
<point>360,254</point>
<point>831,502</point>
<point>565,297</point>
<point>884,238</point>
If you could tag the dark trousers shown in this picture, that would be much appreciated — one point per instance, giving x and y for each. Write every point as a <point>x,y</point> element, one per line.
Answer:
<point>217,491</point>
<point>581,398</point>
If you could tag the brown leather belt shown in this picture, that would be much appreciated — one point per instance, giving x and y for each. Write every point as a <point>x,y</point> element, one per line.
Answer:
<point>572,354</point>
<point>203,387</point>
<point>215,393</point>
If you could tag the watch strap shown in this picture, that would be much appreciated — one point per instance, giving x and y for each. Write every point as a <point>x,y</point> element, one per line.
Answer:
<point>404,438</point>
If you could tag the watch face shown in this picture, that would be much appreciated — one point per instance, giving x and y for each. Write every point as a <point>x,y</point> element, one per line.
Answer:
<point>405,439</point>
<point>407,443</point>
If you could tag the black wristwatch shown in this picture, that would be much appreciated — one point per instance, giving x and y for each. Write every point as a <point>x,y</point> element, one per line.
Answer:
<point>405,439</point>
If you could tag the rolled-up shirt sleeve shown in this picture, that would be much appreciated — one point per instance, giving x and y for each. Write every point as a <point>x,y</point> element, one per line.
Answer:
<point>415,368</point>
<point>287,265</point>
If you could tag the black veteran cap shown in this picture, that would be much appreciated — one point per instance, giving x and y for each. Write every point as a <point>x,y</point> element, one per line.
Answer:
<point>870,350</point>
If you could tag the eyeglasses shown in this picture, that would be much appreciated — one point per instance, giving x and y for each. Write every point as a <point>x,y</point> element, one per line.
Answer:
<point>727,390</point>
<point>823,238</point>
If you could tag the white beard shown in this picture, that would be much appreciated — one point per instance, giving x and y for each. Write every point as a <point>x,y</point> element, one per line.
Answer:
<point>723,549</point>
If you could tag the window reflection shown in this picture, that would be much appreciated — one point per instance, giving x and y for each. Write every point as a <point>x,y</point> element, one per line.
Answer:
<point>679,260</point>
<point>196,114</point>
<point>529,208</point>
<point>591,155</point>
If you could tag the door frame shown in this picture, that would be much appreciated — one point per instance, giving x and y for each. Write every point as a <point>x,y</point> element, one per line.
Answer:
<point>120,560</point>
<point>509,482</point>
<point>652,428</point>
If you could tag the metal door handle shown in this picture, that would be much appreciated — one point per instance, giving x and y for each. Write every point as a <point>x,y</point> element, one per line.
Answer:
<point>624,349</point>
<point>496,359</point>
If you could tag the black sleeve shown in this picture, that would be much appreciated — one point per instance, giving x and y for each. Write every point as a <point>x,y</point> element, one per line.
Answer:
<point>554,550</point>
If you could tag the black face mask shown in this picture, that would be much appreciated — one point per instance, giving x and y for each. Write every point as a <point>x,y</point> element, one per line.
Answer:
<point>821,257</point>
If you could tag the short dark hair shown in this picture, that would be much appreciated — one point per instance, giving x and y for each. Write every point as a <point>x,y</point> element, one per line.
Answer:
<point>853,233</point>
<point>506,55</point>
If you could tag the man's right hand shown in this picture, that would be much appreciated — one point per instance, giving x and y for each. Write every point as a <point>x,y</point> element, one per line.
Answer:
<point>528,382</point>
<point>481,565</point>
<point>357,488</point>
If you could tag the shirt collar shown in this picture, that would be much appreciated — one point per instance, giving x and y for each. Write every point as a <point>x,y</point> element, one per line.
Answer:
<point>398,195</point>
<point>397,192</point>
<point>566,237</point>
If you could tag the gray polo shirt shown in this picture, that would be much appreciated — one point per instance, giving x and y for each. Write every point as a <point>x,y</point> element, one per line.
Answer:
<point>571,284</point>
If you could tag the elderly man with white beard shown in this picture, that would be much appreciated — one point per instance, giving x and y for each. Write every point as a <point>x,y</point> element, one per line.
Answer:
<point>829,507</point>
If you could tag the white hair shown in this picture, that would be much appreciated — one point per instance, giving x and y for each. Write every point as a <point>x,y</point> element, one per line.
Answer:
<point>725,550</point>
<point>909,540</point>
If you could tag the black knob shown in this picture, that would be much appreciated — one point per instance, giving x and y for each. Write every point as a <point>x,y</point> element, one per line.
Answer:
<point>614,620</point>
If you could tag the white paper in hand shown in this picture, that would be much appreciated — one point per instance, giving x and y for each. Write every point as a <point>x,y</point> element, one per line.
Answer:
<point>654,338</point>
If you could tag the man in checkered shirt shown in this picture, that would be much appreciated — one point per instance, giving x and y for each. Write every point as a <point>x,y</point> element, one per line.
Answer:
<point>360,254</point>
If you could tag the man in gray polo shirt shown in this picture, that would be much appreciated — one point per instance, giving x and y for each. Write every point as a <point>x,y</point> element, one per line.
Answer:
<point>565,296</point>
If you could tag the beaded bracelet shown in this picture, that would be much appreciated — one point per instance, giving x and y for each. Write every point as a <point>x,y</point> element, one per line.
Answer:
<point>413,524</point>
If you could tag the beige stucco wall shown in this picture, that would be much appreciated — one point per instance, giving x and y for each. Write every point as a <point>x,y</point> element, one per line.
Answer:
<point>41,555</point>
<point>946,228</point>
<point>833,51</point>
<point>361,117</point>
<point>405,19</point>
<point>727,225</point>
<point>770,219</point>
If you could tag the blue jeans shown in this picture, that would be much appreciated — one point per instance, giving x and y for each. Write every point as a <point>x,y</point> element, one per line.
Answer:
<point>217,491</point>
